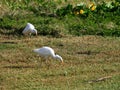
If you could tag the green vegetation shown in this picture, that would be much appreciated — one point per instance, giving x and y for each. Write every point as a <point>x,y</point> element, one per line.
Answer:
<point>88,56</point>
<point>75,19</point>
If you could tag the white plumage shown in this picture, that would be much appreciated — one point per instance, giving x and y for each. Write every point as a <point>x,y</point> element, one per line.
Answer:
<point>48,52</point>
<point>29,29</point>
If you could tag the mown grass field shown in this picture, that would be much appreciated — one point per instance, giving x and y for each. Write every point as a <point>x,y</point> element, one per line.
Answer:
<point>89,47</point>
<point>86,58</point>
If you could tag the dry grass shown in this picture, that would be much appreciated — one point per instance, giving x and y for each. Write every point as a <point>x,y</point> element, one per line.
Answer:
<point>86,58</point>
<point>3,9</point>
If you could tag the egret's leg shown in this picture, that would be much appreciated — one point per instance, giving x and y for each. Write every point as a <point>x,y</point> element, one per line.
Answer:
<point>48,63</point>
<point>29,36</point>
<point>38,62</point>
<point>41,62</point>
<point>46,60</point>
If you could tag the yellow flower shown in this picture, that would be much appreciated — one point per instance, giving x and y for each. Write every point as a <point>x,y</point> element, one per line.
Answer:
<point>81,11</point>
<point>93,8</point>
<point>91,5</point>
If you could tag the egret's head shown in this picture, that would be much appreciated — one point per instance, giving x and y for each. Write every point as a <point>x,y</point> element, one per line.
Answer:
<point>34,31</point>
<point>58,58</point>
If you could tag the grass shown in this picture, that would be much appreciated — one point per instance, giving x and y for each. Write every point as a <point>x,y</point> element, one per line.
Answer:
<point>20,71</point>
<point>87,56</point>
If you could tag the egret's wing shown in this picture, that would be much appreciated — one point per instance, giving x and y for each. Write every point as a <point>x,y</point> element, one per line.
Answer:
<point>44,51</point>
<point>47,51</point>
<point>29,27</point>
<point>26,30</point>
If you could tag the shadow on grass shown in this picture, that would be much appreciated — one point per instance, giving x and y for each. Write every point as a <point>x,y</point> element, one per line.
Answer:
<point>8,42</point>
<point>18,67</point>
<point>88,52</point>
<point>11,31</point>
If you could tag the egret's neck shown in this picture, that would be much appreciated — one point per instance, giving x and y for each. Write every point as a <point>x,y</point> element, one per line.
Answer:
<point>54,56</point>
<point>58,57</point>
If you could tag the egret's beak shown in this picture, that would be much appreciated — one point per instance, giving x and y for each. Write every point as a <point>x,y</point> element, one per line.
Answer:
<point>62,62</point>
<point>36,34</point>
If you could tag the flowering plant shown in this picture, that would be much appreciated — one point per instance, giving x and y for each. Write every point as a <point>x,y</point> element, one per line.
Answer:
<point>84,10</point>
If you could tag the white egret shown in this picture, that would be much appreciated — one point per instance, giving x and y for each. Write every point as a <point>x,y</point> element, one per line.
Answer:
<point>47,52</point>
<point>29,29</point>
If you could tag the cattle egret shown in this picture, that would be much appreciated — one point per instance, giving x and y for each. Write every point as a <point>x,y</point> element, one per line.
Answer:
<point>46,52</point>
<point>29,29</point>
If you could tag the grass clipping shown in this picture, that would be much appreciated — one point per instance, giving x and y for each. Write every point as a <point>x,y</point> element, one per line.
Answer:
<point>100,79</point>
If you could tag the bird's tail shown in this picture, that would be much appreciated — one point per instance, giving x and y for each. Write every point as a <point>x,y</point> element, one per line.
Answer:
<point>36,50</point>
